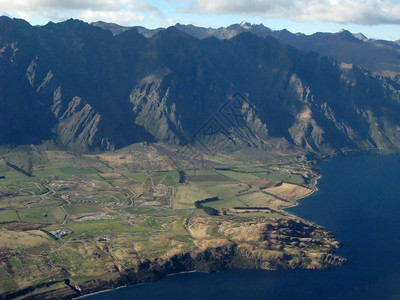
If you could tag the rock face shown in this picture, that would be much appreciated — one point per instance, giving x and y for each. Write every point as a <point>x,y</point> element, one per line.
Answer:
<point>269,245</point>
<point>88,90</point>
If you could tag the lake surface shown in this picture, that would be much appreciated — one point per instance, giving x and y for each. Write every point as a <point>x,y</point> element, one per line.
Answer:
<point>359,201</point>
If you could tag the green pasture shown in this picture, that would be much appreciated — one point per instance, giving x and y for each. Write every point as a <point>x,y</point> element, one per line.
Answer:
<point>289,178</point>
<point>76,209</point>
<point>250,170</point>
<point>49,215</point>
<point>228,202</point>
<point>99,227</point>
<point>237,175</point>
<point>139,177</point>
<point>6,282</point>
<point>7,216</point>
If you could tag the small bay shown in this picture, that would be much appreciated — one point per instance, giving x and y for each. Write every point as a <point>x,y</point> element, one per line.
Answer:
<point>359,201</point>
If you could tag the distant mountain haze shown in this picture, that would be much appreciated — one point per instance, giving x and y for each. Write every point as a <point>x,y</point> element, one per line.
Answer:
<point>378,56</point>
<point>94,88</point>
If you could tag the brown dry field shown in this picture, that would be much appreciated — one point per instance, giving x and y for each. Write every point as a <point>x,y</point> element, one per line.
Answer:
<point>257,199</point>
<point>258,183</point>
<point>25,239</point>
<point>198,228</point>
<point>110,176</point>
<point>186,196</point>
<point>279,204</point>
<point>288,191</point>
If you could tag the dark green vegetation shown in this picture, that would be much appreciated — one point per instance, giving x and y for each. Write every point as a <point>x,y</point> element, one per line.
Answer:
<point>207,209</point>
<point>199,204</point>
<point>86,90</point>
<point>18,169</point>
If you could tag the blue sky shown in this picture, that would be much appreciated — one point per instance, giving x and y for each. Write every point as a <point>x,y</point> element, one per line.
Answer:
<point>378,19</point>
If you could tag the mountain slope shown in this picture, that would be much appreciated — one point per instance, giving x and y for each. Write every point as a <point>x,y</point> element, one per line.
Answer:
<point>89,90</point>
<point>378,56</point>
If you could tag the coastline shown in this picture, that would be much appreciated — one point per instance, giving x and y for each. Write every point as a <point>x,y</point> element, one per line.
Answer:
<point>297,203</point>
<point>344,282</point>
<point>211,257</point>
<point>130,285</point>
<point>314,189</point>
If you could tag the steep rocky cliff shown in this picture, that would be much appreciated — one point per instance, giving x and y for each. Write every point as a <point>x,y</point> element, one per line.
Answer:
<point>269,245</point>
<point>88,90</point>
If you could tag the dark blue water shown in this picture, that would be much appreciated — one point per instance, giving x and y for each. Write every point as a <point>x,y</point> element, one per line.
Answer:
<point>359,201</point>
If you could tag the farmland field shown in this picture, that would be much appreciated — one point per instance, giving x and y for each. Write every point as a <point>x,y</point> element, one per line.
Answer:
<point>94,214</point>
<point>8,216</point>
<point>296,179</point>
<point>187,195</point>
<point>257,199</point>
<point>41,215</point>
<point>208,177</point>
<point>237,175</point>
<point>82,209</point>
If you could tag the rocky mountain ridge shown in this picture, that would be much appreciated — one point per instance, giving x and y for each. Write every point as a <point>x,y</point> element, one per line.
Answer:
<point>378,56</point>
<point>89,90</point>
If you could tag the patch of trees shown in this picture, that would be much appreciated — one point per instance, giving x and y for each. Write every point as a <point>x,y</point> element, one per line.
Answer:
<point>211,211</point>
<point>199,203</point>
<point>208,210</point>
<point>182,177</point>
<point>18,169</point>
<point>251,207</point>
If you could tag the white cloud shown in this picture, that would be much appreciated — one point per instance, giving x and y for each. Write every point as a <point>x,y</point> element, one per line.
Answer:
<point>161,21</point>
<point>119,17</point>
<point>40,5</point>
<point>124,12</point>
<point>366,12</point>
<point>157,12</point>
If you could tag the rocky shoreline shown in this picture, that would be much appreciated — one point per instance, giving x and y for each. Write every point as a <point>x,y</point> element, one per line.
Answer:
<point>273,245</point>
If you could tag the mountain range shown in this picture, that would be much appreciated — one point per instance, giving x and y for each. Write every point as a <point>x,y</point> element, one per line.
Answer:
<point>94,87</point>
<point>378,56</point>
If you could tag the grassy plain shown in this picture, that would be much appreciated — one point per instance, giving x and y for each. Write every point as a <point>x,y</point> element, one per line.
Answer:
<point>188,194</point>
<point>234,175</point>
<point>45,215</point>
<point>290,178</point>
<point>78,209</point>
<point>8,216</point>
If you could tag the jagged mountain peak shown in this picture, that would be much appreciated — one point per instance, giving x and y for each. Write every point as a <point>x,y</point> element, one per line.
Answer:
<point>89,90</point>
<point>347,35</point>
<point>360,36</point>
<point>245,25</point>
<point>114,28</point>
